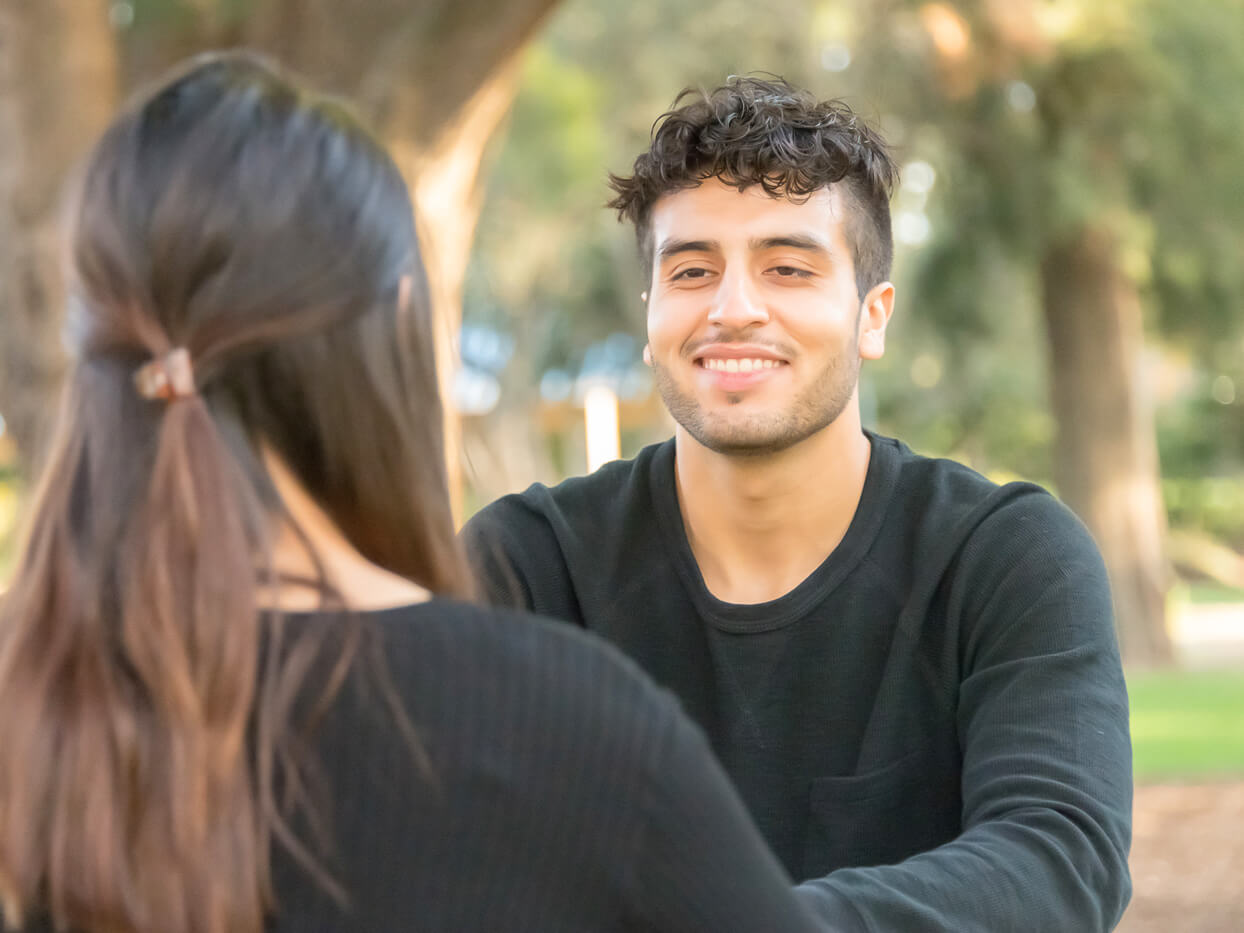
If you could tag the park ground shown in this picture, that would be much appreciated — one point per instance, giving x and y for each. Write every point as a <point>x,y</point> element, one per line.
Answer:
<point>1188,731</point>
<point>1187,858</point>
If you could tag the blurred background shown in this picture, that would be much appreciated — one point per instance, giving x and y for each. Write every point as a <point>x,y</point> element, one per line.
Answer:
<point>1070,272</point>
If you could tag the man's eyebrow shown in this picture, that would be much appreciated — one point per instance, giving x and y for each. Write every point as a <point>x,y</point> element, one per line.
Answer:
<point>674,247</point>
<point>790,241</point>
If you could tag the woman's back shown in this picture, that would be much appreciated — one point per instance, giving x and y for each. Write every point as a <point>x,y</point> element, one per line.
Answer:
<point>561,791</point>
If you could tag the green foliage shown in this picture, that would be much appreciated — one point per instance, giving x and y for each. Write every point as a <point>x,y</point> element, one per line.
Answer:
<point>1214,505</point>
<point>1123,112</point>
<point>542,241</point>
<point>1187,724</point>
<point>565,124</point>
<point>1214,594</point>
<point>1187,169</point>
<point>1201,438</point>
<point>1126,116</point>
<point>964,373</point>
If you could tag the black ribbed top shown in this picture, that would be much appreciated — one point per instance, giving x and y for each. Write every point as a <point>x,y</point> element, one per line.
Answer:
<point>930,730</point>
<point>567,793</point>
<point>570,794</point>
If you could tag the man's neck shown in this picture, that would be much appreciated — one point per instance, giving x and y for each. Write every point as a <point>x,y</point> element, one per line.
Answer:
<point>758,526</point>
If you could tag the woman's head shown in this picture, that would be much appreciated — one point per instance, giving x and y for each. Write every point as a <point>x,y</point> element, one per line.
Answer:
<point>262,229</point>
<point>234,222</point>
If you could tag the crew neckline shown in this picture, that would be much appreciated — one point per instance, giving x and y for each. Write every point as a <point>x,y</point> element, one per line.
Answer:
<point>879,481</point>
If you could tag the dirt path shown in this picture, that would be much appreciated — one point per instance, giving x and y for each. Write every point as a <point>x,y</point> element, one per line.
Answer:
<point>1187,860</point>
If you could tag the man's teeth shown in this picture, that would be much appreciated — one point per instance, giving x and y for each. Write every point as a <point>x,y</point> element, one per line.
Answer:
<point>738,366</point>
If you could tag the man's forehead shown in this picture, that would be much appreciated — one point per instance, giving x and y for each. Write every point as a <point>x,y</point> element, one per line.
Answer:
<point>716,211</point>
<point>755,194</point>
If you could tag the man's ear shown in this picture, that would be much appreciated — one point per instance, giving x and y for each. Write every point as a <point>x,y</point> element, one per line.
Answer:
<point>647,355</point>
<point>875,311</point>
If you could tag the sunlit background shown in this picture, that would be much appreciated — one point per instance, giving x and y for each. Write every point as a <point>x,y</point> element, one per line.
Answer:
<point>1070,271</point>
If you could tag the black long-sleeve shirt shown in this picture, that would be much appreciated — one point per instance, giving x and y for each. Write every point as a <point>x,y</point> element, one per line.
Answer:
<point>931,730</point>
<point>567,793</point>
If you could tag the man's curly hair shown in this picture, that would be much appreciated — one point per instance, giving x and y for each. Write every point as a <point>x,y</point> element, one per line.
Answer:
<point>761,131</point>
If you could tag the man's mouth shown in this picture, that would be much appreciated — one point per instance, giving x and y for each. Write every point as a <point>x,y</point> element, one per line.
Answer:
<point>743,365</point>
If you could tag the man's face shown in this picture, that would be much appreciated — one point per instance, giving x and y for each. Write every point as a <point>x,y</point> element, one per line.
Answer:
<point>754,322</point>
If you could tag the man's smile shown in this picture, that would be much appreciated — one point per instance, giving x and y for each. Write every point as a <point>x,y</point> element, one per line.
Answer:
<point>733,367</point>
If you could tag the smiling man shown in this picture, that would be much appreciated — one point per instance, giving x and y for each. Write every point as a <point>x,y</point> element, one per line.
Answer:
<point>909,672</point>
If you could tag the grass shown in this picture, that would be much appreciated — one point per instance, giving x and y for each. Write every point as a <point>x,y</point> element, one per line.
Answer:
<point>1203,593</point>
<point>1187,725</point>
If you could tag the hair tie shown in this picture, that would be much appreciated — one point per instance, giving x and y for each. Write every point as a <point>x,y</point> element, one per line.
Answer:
<point>168,377</point>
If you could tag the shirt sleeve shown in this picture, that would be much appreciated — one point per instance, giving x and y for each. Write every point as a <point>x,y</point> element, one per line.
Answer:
<point>517,560</point>
<point>1043,725</point>
<point>701,864</point>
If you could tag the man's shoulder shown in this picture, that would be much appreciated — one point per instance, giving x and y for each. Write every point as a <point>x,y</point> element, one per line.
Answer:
<point>925,474</point>
<point>950,506</point>
<point>939,495</point>
<point>594,499</point>
<point>943,485</point>
<point>546,547</point>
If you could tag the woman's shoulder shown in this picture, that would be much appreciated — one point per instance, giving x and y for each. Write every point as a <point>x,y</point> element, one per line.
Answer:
<point>495,646</point>
<point>459,666</point>
<point>542,708</point>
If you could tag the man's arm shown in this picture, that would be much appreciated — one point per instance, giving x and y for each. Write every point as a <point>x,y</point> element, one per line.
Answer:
<point>1042,721</point>
<point>518,561</point>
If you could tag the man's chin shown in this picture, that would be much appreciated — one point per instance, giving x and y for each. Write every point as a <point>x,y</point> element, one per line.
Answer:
<point>743,443</point>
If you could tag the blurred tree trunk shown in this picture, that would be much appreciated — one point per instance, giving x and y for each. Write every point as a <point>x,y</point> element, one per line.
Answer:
<point>1106,462</point>
<point>58,89</point>
<point>446,183</point>
<point>437,78</point>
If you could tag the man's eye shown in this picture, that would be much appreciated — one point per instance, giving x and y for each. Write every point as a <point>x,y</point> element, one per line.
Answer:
<point>791,272</point>
<point>692,273</point>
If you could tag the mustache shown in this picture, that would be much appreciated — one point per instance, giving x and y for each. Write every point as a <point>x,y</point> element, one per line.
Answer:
<point>692,347</point>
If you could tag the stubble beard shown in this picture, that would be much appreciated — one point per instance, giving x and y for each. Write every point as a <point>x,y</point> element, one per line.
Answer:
<point>760,434</point>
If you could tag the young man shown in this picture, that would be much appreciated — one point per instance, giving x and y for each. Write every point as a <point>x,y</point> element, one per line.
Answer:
<point>910,673</point>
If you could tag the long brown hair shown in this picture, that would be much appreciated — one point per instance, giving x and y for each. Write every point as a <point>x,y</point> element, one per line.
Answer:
<point>231,213</point>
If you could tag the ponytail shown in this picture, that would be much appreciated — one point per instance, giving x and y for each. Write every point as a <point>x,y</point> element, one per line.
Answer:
<point>129,647</point>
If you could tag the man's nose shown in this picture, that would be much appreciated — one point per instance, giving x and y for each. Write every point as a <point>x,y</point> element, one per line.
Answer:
<point>737,305</point>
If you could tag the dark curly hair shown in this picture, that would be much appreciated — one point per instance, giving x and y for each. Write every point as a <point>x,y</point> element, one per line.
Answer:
<point>764,131</point>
